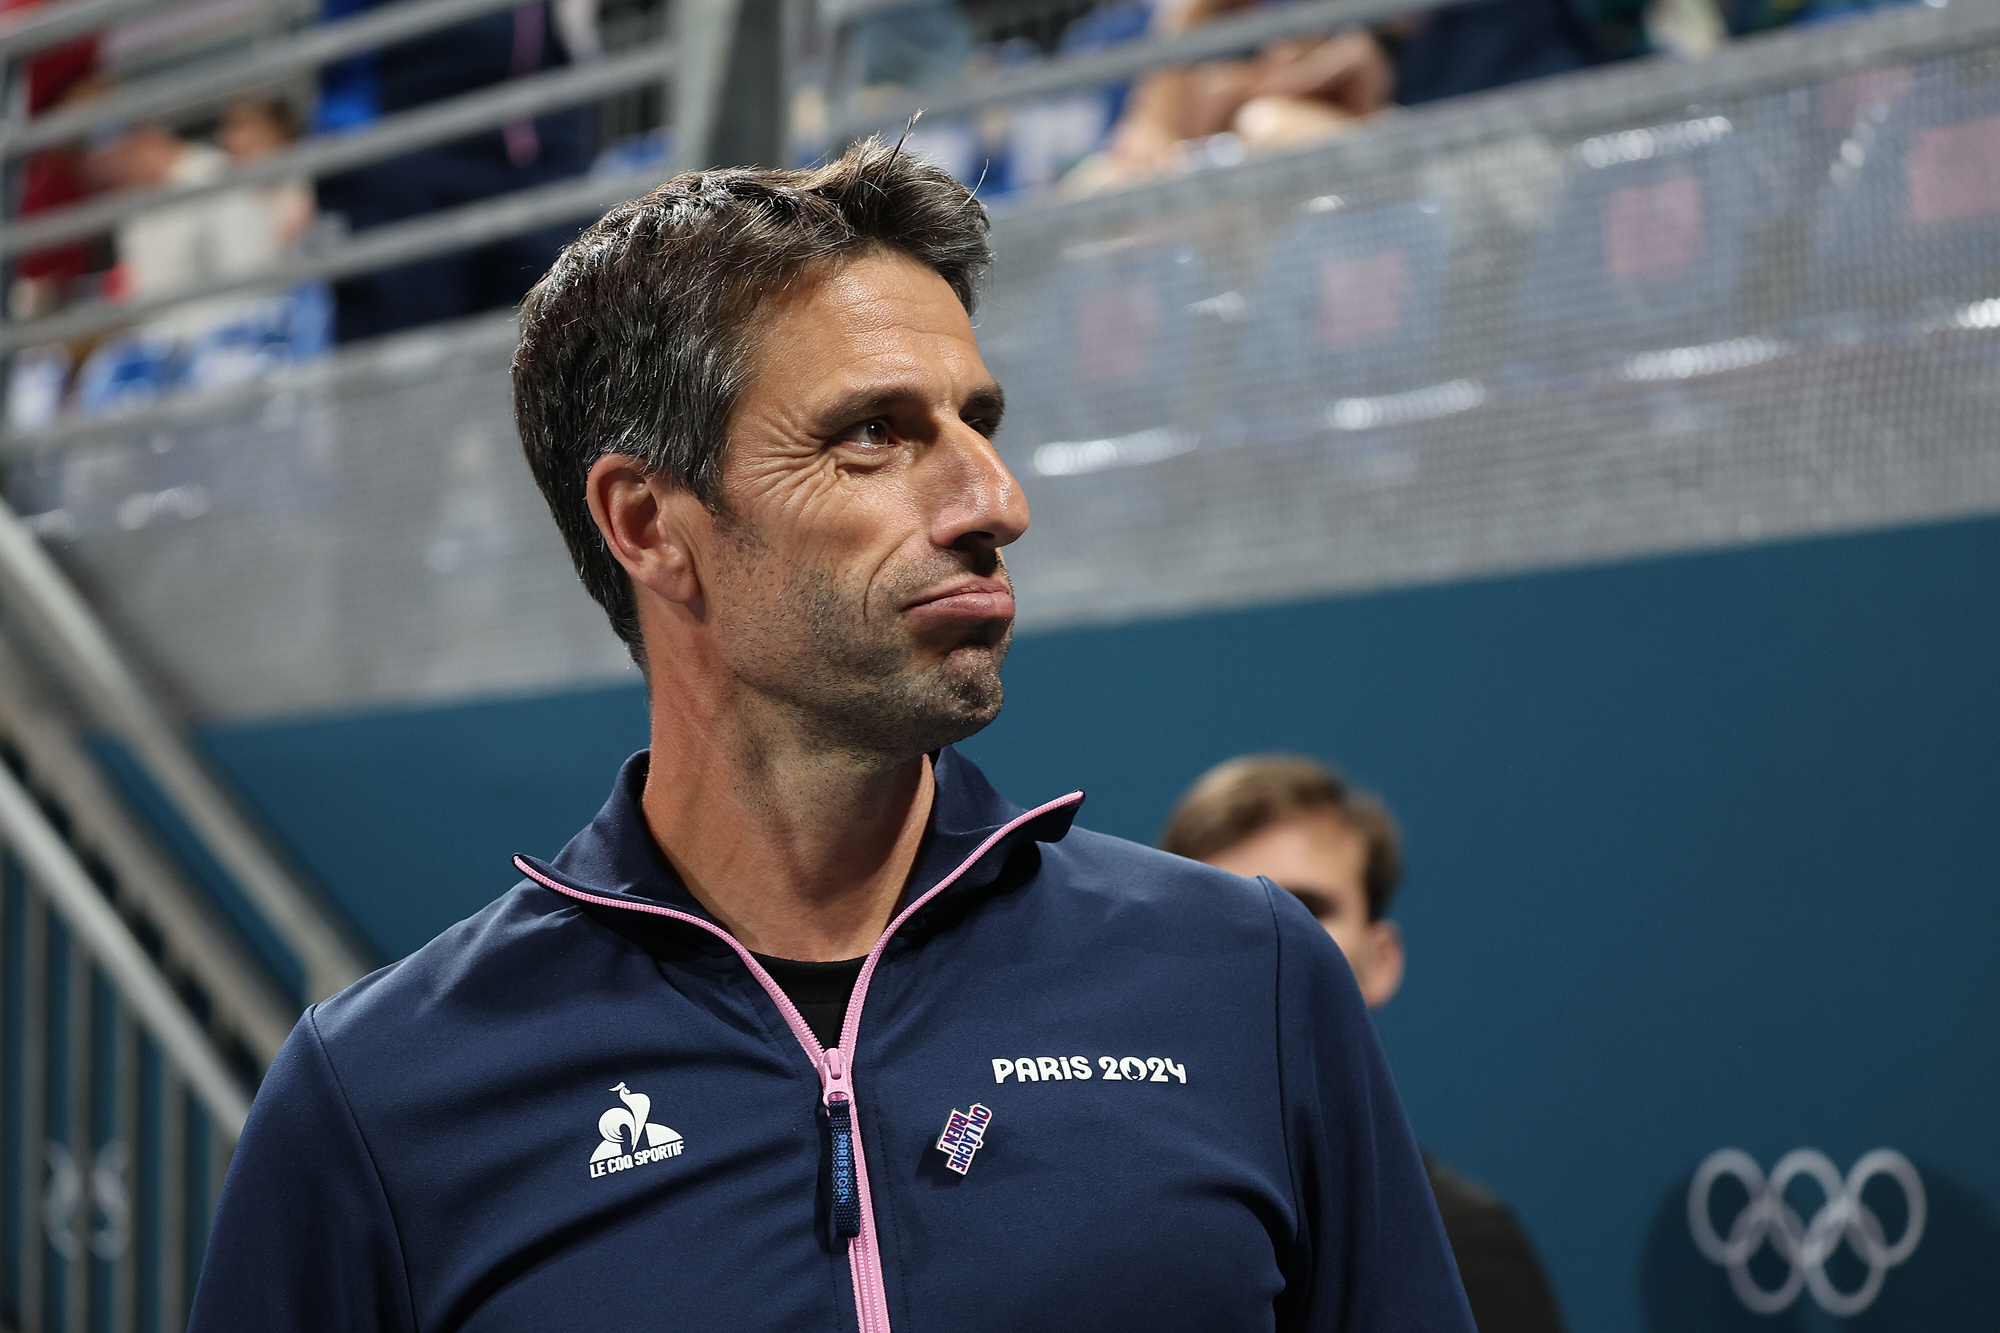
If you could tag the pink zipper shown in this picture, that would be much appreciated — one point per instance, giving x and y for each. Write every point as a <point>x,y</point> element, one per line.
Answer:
<point>835,1065</point>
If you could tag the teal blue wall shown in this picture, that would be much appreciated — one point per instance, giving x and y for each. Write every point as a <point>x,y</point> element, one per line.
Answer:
<point>1702,853</point>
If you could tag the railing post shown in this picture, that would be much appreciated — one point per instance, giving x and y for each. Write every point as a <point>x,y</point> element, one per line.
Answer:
<point>703,33</point>
<point>17,1172</point>
<point>123,1240</point>
<point>754,132</point>
<point>77,1031</point>
<point>34,1079</point>
<point>172,1307</point>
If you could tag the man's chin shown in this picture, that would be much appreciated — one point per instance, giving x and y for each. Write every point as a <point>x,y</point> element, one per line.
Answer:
<point>966,699</point>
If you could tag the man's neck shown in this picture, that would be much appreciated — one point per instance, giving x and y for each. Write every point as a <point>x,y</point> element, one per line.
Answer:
<point>797,851</point>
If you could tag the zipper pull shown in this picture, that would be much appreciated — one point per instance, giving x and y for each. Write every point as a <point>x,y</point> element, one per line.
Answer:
<point>833,1076</point>
<point>835,1094</point>
<point>846,1194</point>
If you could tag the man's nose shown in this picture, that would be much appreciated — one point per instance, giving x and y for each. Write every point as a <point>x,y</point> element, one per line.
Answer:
<point>980,505</point>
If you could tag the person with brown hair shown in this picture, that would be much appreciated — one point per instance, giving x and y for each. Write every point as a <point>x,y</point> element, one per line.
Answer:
<point>811,1028</point>
<point>1299,824</point>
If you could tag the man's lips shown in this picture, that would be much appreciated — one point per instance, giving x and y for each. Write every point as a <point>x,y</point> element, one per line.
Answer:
<point>972,599</point>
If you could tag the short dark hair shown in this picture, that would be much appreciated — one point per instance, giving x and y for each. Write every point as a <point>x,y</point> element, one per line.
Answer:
<point>1240,796</point>
<point>639,340</point>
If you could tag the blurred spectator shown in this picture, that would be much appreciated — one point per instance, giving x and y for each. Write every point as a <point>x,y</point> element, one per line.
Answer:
<point>512,44</point>
<point>1337,850</point>
<point>1306,88</point>
<point>1292,90</point>
<point>264,128</point>
<point>54,178</point>
<point>181,246</point>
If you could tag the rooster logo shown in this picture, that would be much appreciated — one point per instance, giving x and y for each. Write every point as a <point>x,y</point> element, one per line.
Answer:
<point>627,1132</point>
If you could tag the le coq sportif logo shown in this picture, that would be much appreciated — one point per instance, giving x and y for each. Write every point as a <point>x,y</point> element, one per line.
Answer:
<point>630,1136</point>
<point>1767,1219</point>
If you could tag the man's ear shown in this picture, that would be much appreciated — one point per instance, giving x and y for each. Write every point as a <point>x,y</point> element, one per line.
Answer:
<point>649,525</point>
<point>1384,974</point>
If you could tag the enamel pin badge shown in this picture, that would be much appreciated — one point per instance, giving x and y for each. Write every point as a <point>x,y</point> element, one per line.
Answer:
<point>964,1134</point>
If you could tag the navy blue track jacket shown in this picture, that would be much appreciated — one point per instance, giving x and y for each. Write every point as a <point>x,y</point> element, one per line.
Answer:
<point>587,1108</point>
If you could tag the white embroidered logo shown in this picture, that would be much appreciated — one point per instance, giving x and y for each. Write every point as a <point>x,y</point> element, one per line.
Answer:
<point>630,1139</point>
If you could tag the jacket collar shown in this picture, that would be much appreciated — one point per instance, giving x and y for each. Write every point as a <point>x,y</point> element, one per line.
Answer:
<point>615,855</point>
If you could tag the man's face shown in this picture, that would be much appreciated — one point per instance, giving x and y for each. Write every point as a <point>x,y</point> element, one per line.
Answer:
<point>857,579</point>
<point>1322,861</point>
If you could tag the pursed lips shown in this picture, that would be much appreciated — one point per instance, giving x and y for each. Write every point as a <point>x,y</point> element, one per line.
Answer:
<point>971,599</point>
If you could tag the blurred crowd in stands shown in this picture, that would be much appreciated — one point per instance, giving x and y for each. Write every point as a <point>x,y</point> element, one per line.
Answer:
<point>162,260</point>
<point>197,243</point>
<point>1291,92</point>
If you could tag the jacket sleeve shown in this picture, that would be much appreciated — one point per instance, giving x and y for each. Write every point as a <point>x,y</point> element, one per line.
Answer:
<point>303,1238</point>
<point>1371,1254</point>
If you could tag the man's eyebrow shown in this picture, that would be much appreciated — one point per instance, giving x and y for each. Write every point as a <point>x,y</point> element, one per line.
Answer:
<point>988,402</point>
<point>862,404</point>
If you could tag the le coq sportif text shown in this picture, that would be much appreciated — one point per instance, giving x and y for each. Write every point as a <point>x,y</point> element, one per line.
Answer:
<point>1109,1068</point>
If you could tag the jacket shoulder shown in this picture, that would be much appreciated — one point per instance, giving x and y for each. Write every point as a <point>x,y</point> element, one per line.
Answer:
<point>1128,875</point>
<point>525,937</point>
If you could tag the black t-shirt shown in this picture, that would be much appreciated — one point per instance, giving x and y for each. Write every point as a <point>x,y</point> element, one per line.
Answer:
<point>1504,1281</point>
<point>820,990</point>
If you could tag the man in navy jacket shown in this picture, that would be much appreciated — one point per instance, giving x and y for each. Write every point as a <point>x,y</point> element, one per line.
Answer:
<point>811,1028</point>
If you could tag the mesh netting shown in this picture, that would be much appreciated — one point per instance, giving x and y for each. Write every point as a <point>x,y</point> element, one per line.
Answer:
<point>359,533</point>
<point>1770,315</point>
<point>1549,326</point>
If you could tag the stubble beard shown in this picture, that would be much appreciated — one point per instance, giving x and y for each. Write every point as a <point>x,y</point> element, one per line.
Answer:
<point>855,682</point>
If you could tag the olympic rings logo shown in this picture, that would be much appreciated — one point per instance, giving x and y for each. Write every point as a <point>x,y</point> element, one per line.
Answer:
<point>1805,1245</point>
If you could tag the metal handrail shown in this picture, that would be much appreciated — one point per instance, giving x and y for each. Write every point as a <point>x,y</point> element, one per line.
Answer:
<point>1600,93</point>
<point>377,248</point>
<point>72,637</point>
<point>322,155</point>
<point>1228,36</point>
<point>54,870</point>
<point>194,939</point>
<point>38,29</point>
<point>217,80</point>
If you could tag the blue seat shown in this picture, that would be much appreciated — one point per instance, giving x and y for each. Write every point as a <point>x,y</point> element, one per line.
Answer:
<point>1910,223</point>
<point>1347,307</point>
<point>1110,355</point>
<point>1646,247</point>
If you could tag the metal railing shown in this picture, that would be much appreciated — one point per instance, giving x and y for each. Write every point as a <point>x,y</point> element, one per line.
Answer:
<point>694,63</point>
<point>29,30</point>
<point>1065,74</point>
<point>377,248</point>
<point>243,1013</point>
<point>492,219</point>
<point>119,1113</point>
<point>70,636</point>
<point>326,154</point>
<point>212,82</point>
<point>133,1024</point>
